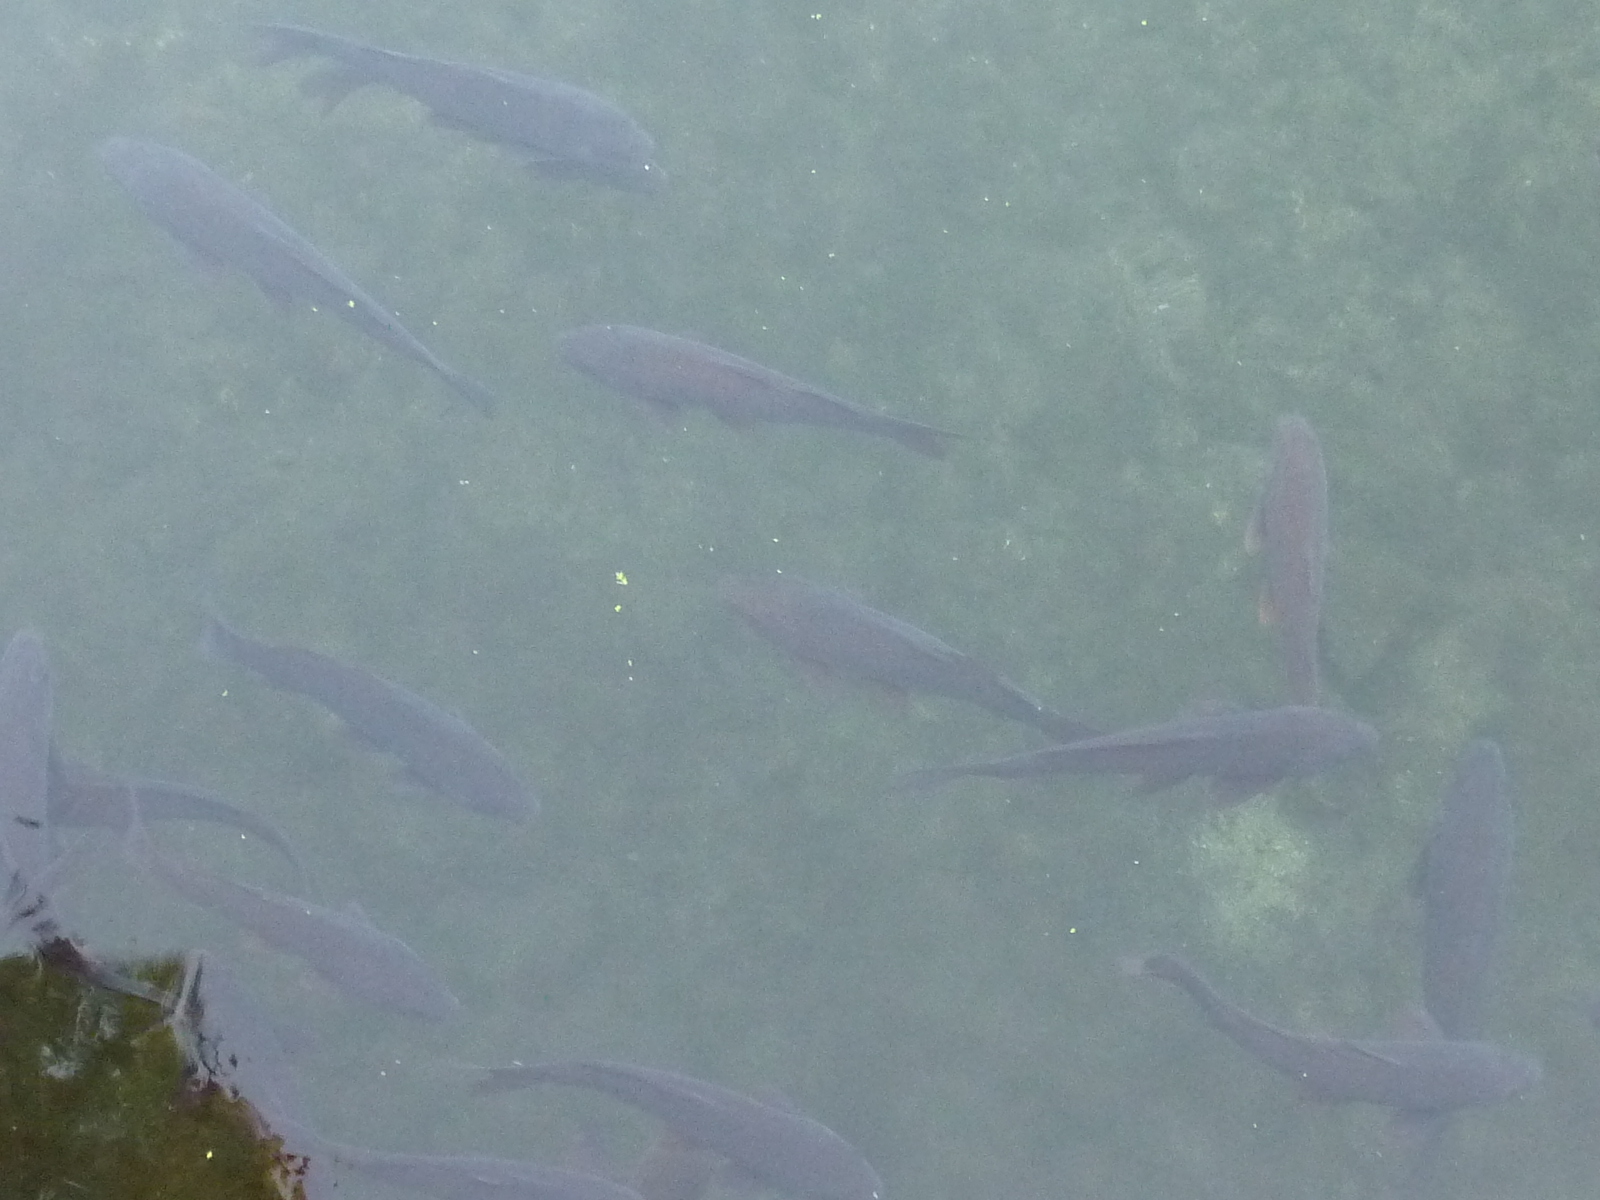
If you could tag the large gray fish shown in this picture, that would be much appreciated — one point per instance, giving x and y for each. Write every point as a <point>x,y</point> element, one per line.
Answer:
<point>563,130</point>
<point>439,750</point>
<point>1427,1075</point>
<point>1242,752</point>
<point>777,1146</point>
<point>82,796</point>
<point>826,628</point>
<point>671,373</point>
<point>1462,878</point>
<point>27,707</point>
<point>225,227</point>
<point>1290,528</point>
<point>344,948</point>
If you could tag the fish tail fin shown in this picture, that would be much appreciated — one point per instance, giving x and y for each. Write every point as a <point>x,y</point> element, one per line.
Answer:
<point>1135,966</point>
<point>331,85</point>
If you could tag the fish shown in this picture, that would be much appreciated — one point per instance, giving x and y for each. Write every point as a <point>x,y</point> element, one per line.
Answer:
<point>27,902</point>
<point>27,708</point>
<point>563,131</point>
<point>228,1042</point>
<point>343,947</point>
<point>82,796</point>
<point>1243,752</point>
<point>780,1148</point>
<point>439,750</point>
<point>1462,878</point>
<point>1290,528</point>
<point>826,628</point>
<point>1420,1076</point>
<point>226,228</point>
<point>670,373</point>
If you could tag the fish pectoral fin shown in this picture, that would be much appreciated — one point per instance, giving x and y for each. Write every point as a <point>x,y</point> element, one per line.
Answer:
<point>331,85</point>
<point>1372,1053</point>
<point>1160,781</point>
<point>1411,1130</point>
<point>1225,793</point>
<point>1266,611</point>
<point>560,168</point>
<point>446,121</point>
<point>282,298</point>
<point>1254,533</point>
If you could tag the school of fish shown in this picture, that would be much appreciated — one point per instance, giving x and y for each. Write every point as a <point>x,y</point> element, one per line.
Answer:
<point>566,132</point>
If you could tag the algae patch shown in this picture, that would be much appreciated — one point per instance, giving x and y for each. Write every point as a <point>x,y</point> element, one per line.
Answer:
<point>1254,868</point>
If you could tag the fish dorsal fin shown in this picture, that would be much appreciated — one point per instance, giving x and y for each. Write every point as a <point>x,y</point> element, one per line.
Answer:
<point>1415,1025</point>
<point>774,1098</point>
<point>358,915</point>
<point>1372,1051</point>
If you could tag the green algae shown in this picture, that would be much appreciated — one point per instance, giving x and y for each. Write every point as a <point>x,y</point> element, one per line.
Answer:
<point>97,1099</point>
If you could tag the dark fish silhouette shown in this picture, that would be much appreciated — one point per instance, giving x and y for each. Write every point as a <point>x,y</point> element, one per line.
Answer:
<point>1425,1076</point>
<point>345,948</point>
<point>1462,878</point>
<point>563,130</point>
<point>1242,752</point>
<point>826,628</point>
<point>1290,527</point>
<point>439,750</point>
<point>82,796</point>
<point>670,373</point>
<point>227,228</point>
<point>27,707</point>
<point>780,1148</point>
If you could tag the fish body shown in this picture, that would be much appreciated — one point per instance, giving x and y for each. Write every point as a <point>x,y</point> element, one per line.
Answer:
<point>344,948</point>
<point>1290,528</point>
<point>783,1149</point>
<point>671,373</point>
<point>27,708</point>
<point>438,749</point>
<point>225,227</point>
<point>564,131</point>
<point>1242,752</point>
<point>826,628</point>
<point>1428,1075</point>
<point>81,796</point>
<point>1463,876</point>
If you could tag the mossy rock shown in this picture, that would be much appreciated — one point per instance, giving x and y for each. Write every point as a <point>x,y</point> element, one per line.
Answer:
<point>98,1099</point>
